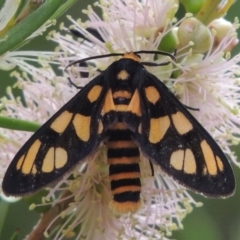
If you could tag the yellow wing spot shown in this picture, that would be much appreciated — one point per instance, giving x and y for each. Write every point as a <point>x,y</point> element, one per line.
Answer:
<point>61,157</point>
<point>61,122</point>
<point>209,158</point>
<point>108,104</point>
<point>220,164</point>
<point>34,169</point>
<point>152,94</point>
<point>158,128</point>
<point>123,75</point>
<point>48,161</point>
<point>94,93</point>
<point>20,162</point>
<point>122,93</point>
<point>30,157</point>
<point>176,159</point>
<point>181,123</point>
<point>81,124</point>
<point>190,166</point>
<point>134,105</point>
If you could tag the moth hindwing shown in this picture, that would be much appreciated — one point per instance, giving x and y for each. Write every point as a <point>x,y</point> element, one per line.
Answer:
<point>133,113</point>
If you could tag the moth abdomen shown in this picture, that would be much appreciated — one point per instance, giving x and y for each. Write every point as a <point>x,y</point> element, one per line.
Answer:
<point>124,171</point>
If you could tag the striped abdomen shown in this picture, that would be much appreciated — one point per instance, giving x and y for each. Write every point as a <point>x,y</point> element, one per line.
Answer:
<point>124,171</point>
<point>123,157</point>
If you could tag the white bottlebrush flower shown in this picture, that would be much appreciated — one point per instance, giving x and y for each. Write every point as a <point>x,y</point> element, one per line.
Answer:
<point>127,26</point>
<point>42,92</point>
<point>24,60</point>
<point>210,83</point>
<point>164,204</point>
<point>205,82</point>
<point>89,191</point>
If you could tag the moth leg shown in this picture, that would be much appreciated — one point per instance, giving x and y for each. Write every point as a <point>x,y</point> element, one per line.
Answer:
<point>151,166</point>
<point>73,84</point>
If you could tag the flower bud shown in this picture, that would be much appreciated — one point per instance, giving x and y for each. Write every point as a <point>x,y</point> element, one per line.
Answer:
<point>192,30</point>
<point>221,28</point>
<point>169,42</point>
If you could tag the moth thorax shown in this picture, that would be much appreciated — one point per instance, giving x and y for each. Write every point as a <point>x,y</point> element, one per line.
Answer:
<point>122,97</point>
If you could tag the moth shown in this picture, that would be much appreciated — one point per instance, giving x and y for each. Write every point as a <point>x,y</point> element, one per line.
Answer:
<point>132,112</point>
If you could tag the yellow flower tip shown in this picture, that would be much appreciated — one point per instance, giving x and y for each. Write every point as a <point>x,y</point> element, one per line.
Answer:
<point>46,235</point>
<point>192,30</point>
<point>63,214</point>
<point>6,66</point>
<point>61,26</point>
<point>221,28</point>
<point>48,198</point>
<point>68,233</point>
<point>87,11</point>
<point>168,234</point>
<point>75,174</point>
<point>228,55</point>
<point>180,190</point>
<point>9,90</point>
<point>188,15</point>
<point>44,200</point>
<point>199,204</point>
<point>123,208</point>
<point>75,185</point>
<point>50,35</point>
<point>173,227</point>
<point>189,209</point>
<point>191,43</point>
<point>32,206</point>
<point>54,22</point>
<point>235,111</point>
<point>24,74</point>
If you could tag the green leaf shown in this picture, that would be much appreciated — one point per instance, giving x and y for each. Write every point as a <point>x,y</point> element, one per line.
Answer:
<point>27,26</point>
<point>15,235</point>
<point>4,210</point>
<point>63,8</point>
<point>18,124</point>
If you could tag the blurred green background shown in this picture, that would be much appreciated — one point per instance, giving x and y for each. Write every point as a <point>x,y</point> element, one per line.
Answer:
<point>218,219</point>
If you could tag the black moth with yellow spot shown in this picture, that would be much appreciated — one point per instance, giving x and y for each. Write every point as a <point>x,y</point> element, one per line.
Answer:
<point>129,110</point>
